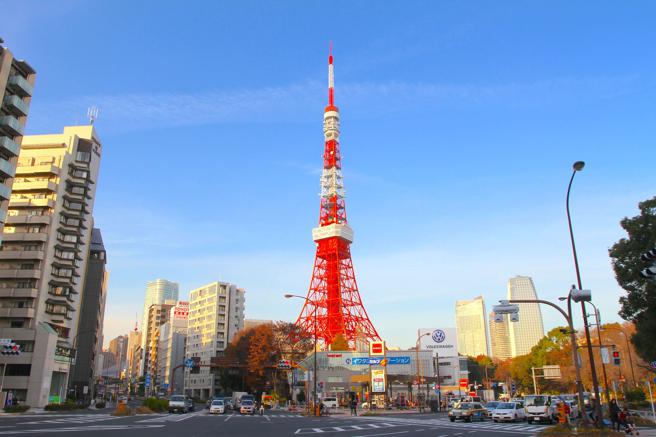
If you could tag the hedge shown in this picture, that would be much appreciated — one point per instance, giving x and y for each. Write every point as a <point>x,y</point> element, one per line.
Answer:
<point>21,408</point>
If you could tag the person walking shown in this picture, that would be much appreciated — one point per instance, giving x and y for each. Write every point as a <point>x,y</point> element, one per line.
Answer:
<point>614,411</point>
<point>354,407</point>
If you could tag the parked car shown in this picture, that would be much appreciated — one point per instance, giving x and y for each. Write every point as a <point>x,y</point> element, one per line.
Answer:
<point>247,407</point>
<point>539,408</point>
<point>509,411</point>
<point>489,408</point>
<point>178,403</point>
<point>467,411</point>
<point>217,406</point>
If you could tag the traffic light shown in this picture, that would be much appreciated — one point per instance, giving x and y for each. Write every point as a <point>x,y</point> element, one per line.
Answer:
<point>649,272</point>
<point>616,358</point>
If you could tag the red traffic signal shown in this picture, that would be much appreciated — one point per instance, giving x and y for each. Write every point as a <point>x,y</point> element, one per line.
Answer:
<point>616,358</point>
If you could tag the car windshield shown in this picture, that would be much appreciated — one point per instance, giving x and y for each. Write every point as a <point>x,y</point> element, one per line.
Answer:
<point>506,406</point>
<point>491,404</point>
<point>217,402</point>
<point>177,398</point>
<point>536,401</point>
<point>246,403</point>
<point>464,406</point>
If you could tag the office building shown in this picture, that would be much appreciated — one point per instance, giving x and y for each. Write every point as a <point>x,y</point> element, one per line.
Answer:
<point>90,325</point>
<point>16,87</point>
<point>471,327</point>
<point>216,313</point>
<point>134,356</point>
<point>119,348</point>
<point>157,292</point>
<point>158,314</point>
<point>529,330</point>
<point>43,262</point>
<point>499,337</point>
<point>171,353</point>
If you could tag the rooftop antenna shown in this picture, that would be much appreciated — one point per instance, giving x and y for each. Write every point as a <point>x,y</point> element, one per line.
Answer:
<point>136,323</point>
<point>92,113</point>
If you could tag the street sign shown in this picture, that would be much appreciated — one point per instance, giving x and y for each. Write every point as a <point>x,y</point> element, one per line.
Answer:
<point>464,383</point>
<point>189,363</point>
<point>605,357</point>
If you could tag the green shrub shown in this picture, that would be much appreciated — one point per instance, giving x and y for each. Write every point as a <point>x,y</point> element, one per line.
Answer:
<point>16,408</point>
<point>635,395</point>
<point>66,406</point>
<point>155,404</point>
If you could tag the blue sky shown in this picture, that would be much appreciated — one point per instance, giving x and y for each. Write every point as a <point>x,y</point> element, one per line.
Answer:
<point>460,122</point>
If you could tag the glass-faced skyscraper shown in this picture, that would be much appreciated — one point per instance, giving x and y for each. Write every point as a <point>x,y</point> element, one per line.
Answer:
<point>529,330</point>
<point>157,292</point>
<point>471,327</point>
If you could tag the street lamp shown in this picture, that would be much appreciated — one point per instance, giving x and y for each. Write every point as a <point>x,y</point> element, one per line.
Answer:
<point>419,336</point>
<point>314,396</point>
<point>511,308</point>
<point>578,166</point>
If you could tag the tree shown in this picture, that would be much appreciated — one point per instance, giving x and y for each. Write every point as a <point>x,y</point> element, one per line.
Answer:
<point>639,305</point>
<point>339,343</point>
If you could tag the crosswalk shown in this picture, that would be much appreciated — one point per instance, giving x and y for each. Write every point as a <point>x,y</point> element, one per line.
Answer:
<point>519,428</point>
<point>86,418</point>
<point>347,428</point>
<point>161,418</point>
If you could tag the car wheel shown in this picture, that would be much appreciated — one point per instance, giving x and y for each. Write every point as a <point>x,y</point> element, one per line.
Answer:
<point>496,421</point>
<point>468,419</point>
<point>529,421</point>
<point>452,419</point>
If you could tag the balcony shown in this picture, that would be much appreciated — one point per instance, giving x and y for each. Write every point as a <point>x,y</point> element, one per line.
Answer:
<point>34,186</point>
<point>10,146</point>
<point>17,312</point>
<point>25,236</point>
<point>28,202</point>
<point>19,292</point>
<point>11,126</point>
<point>24,219</point>
<point>16,105</point>
<point>37,169</point>
<point>20,274</point>
<point>22,254</point>
<point>5,192</point>
<point>6,168</point>
<point>20,85</point>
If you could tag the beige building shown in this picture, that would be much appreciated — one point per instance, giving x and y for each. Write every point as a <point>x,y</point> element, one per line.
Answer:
<point>133,357</point>
<point>216,313</point>
<point>171,352</point>
<point>158,314</point>
<point>44,257</point>
<point>529,330</point>
<point>471,327</point>
<point>16,86</point>
<point>499,337</point>
<point>157,292</point>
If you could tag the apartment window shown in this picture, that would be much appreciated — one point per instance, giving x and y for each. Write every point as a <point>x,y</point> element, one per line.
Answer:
<point>25,345</point>
<point>77,206</point>
<point>64,254</point>
<point>27,266</point>
<point>59,290</point>
<point>18,369</point>
<point>68,221</point>
<point>34,229</point>
<point>83,156</point>
<point>25,284</point>
<point>69,238</point>
<point>62,271</point>
<point>16,324</point>
<point>76,172</point>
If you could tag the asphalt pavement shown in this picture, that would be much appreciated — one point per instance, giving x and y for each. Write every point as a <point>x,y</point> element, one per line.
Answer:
<point>273,423</point>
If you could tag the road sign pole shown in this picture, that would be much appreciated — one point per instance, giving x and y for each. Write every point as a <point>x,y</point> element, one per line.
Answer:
<point>651,399</point>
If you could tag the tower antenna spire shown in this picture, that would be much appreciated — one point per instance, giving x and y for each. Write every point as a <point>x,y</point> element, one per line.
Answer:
<point>331,77</point>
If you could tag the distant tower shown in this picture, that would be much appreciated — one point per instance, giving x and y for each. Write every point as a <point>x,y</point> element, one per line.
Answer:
<point>529,330</point>
<point>333,300</point>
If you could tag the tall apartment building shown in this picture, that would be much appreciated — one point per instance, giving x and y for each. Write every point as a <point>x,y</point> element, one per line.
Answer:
<point>499,337</point>
<point>216,314</point>
<point>43,262</point>
<point>134,357</point>
<point>119,348</point>
<point>171,353</point>
<point>158,314</point>
<point>529,330</point>
<point>16,87</point>
<point>471,327</point>
<point>92,316</point>
<point>157,292</point>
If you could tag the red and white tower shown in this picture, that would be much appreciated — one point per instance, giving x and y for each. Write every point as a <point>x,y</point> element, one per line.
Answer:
<point>333,304</point>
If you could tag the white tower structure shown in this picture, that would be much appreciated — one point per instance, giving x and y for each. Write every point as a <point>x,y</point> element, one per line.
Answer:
<point>529,330</point>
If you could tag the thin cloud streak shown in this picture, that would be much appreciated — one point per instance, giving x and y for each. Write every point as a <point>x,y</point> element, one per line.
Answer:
<point>132,112</point>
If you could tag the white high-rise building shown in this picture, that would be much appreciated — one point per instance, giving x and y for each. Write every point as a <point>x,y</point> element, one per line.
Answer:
<point>471,327</point>
<point>216,313</point>
<point>529,330</point>
<point>499,337</point>
<point>171,353</point>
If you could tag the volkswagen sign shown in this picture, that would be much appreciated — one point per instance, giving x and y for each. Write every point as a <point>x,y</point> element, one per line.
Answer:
<point>438,336</point>
<point>442,341</point>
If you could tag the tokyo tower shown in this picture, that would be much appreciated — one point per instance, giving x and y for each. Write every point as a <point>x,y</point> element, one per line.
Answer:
<point>333,305</point>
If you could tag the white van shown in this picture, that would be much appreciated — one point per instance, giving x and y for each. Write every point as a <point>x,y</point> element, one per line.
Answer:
<point>330,402</point>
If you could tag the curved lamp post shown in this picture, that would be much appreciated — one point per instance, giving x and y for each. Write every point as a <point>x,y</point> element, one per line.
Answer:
<point>314,396</point>
<point>578,166</point>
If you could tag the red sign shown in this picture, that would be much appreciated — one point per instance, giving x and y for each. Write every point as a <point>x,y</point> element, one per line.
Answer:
<point>472,393</point>
<point>181,310</point>
<point>334,355</point>
<point>377,348</point>
<point>464,383</point>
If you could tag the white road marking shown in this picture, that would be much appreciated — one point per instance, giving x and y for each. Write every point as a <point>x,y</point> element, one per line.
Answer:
<point>80,428</point>
<point>384,433</point>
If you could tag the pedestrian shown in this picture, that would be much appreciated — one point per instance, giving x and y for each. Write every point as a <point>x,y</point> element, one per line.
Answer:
<point>354,407</point>
<point>261,408</point>
<point>614,412</point>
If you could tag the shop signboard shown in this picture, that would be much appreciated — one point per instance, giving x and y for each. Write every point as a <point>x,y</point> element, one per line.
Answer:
<point>378,380</point>
<point>442,341</point>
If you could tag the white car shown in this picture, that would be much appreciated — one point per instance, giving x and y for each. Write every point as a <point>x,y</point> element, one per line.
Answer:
<point>508,411</point>
<point>330,402</point>
<point>217,407</point>
<point>247,407</point>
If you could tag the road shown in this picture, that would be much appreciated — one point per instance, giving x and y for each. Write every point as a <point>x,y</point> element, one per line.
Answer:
<point>272,424</point>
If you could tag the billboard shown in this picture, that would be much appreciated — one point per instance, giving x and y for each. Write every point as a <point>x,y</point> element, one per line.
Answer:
<point>442,341</point>
<point>376,348</point>
<point>181,310</point>
<point>378,380</point>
